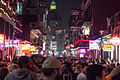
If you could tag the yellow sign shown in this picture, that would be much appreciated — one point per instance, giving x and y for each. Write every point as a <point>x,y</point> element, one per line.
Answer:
<point>1,38</point>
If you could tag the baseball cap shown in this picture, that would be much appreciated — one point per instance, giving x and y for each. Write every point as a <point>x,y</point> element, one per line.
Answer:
<point>51,63</point>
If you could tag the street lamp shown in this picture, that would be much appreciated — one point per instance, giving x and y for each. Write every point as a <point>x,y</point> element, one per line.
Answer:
<point>102,44</point>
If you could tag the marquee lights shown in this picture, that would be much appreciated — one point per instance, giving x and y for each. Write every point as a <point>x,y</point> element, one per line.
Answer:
<point>115,41</point>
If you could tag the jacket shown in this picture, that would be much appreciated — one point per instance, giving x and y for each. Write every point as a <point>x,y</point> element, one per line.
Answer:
<point>21,74</point>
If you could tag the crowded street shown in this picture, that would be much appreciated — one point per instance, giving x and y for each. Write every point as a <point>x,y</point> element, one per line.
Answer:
<point>59,39</point>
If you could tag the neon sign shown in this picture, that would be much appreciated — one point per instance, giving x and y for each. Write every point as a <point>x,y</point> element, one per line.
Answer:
<point>94,44</point>
<point>115,41</point>
<point>81,51</point>
<point>1,38</point>
<point>11,43</point>
<point>52,6</point>
<point>32,48</point>
<point>107,47</point>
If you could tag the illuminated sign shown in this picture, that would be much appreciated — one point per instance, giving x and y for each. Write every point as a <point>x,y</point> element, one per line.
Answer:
<point>67,47</point>
<point>52,6</point>
<point>107,46</point>
<point>11,43</point>
<point>32,48</point>
<point>81,51</point>
<point>1,38</point>
<point>25,48</point>
<point>115,41</point>
<point>94,44</point>
<point>53,2</point>
<point>19,8</point>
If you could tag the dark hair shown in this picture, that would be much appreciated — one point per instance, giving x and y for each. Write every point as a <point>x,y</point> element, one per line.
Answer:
<point>116,77</point>
<point>3,73</point>
<point>23,60</point>
<point>14,60</point>
<point>47,71</point>
<point>93,71</point>
<point>37,60</point>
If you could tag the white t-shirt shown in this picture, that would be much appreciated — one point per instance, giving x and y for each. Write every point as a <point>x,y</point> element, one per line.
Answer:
<point>81,76</point>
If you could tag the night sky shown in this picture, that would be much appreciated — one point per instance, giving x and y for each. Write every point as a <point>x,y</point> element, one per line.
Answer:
<point>64,7</point>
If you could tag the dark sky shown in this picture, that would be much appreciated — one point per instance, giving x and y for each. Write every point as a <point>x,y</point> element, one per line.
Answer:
<point>64,7</point>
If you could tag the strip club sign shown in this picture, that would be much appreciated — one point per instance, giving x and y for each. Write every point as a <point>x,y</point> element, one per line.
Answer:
<point>115,41</point>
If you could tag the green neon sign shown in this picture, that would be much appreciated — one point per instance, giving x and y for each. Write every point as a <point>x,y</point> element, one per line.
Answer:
<point>53,2</point>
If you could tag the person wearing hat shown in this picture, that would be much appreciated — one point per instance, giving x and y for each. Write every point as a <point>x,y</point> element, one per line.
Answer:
<point>52,69</point>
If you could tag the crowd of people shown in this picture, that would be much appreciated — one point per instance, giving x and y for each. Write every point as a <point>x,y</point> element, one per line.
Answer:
<point>37,67</point>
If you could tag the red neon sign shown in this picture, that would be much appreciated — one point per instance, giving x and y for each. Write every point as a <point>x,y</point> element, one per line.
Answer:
<point>79,41</point>
<point>115,41</point>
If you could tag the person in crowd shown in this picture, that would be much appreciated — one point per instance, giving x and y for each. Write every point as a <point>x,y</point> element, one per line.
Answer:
<point>14,60</point>
<point>67,74</point>
<point>81,75</point>
<point>95,72</point>
<point>52,69</point>
<point>77,71</point>
<point>114,74</point>
<point>3,64</point>
<point>3,72</point>
<point>23,72</point>
<point>12,67</point>
<point>38,60</point>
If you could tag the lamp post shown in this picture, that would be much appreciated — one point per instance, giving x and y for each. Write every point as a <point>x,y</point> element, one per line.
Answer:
<point>101,45</point>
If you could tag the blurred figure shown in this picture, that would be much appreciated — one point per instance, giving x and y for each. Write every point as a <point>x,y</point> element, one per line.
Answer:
<point>37,60</point>
<point>23,72</point>
<point>81,75</point>
<point>77,71</point>
<point>12,67</point>
<point>95,72</point>
<point>67,75</point>
<point>52,69</point>
<point>114,74</point>
<point>3,64</point>
<point>3,73</point>
<point>14,60</point>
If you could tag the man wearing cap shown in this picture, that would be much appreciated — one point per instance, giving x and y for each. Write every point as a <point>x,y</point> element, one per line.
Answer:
<point>52,69</point>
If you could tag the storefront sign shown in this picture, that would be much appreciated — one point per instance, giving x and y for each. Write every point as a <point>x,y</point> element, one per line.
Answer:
<point>115,41</point>
<point>81,51</point>
<point>25,48</point>
<point>12,43</point>
<point>94,44</point>
<point>32,48</point>
<point>107,47</point>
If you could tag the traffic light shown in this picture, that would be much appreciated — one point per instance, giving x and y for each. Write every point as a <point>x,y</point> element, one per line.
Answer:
<point>53,37</point>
